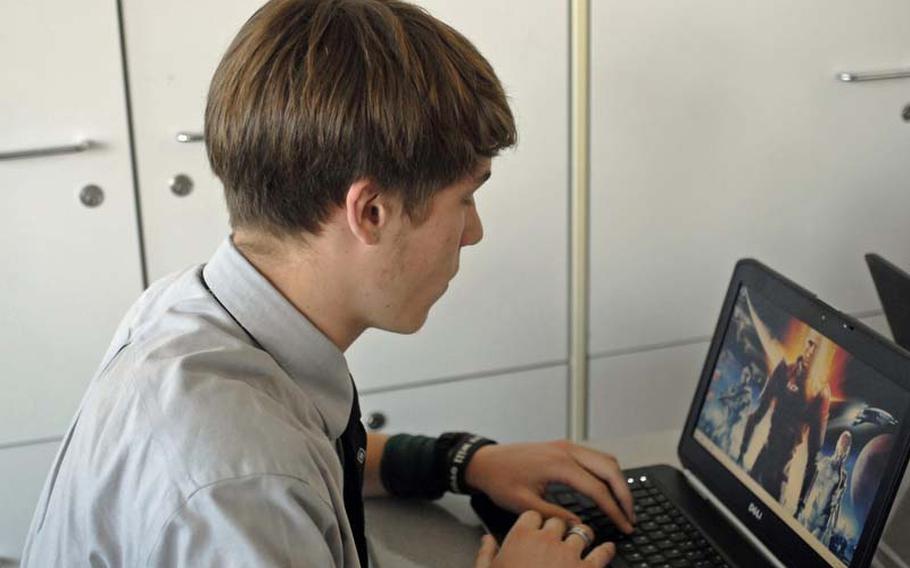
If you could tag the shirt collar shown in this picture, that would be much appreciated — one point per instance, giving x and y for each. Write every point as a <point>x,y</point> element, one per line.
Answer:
<point>308,356</point>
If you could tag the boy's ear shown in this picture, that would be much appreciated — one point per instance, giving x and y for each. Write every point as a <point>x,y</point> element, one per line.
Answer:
<point>368,210</point>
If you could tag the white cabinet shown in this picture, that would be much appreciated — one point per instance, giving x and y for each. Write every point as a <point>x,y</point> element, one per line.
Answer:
<point>719,131</point>
<point>516,279</point>
<point>68,271</point>
<point>642,392</point>
<point>22,475</point>
<point>524,406</point>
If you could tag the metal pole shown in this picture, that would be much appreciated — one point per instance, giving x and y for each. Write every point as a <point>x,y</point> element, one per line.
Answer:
<point>580,179</point>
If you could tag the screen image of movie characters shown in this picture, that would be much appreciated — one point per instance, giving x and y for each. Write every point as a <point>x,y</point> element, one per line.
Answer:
<point>813,426</point>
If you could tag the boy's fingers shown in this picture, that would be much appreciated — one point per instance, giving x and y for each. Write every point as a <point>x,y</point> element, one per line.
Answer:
<point>600,556</point>
<point>486,553</point>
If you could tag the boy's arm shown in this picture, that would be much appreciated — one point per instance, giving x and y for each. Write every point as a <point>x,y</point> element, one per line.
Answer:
<point>372,484</point>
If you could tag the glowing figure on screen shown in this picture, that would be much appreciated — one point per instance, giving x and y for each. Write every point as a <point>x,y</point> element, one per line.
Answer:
<point>735,402</point>
<point>822,506</point>
<point>797,413</point>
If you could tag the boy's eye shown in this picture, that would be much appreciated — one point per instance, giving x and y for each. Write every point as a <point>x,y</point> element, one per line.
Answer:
<point>469,200</point>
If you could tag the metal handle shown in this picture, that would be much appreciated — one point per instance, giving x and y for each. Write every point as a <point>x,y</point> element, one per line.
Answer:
<point>376,421</point>
<point>189,137</point>
<point>80,146</point>
<point>874,76</point>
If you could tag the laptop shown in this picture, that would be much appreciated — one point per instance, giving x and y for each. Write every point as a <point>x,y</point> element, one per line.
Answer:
<point>893,286</point>
<point>786,377</point>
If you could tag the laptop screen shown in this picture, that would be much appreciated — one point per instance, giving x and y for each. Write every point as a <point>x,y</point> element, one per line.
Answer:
<point>808,428</point>
<point>893,286</point>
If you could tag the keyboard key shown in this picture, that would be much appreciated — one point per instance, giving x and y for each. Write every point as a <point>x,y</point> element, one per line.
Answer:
<point>564,498</point>
<point>586,501</point>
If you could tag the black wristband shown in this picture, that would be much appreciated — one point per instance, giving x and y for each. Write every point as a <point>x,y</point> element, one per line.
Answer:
<point>420,467</point>
<point>458,459</point>
<point>411,469</point>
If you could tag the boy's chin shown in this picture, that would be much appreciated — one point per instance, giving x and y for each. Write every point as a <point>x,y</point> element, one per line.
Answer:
<point>407,326</point>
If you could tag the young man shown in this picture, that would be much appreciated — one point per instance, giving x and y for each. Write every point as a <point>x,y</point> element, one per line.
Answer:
<point>223,426</point>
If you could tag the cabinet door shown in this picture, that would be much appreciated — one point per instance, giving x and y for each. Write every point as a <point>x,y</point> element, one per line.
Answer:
<point>22,476</point>
<point>516,279</point>
<point>525,406</point>
<point>719,131</point>
<point>67,271</point>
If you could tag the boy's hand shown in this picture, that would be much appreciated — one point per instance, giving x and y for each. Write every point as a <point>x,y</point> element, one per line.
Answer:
<point>515,477</point>
<point>533,543</point>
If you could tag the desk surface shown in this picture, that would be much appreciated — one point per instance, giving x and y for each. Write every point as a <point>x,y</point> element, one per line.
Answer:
<point>446,533</point>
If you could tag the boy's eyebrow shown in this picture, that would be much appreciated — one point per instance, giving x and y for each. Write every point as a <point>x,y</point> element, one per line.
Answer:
<point>482,178</point>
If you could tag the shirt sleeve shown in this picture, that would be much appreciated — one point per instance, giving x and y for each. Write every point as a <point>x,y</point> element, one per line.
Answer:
<point>262,520</point>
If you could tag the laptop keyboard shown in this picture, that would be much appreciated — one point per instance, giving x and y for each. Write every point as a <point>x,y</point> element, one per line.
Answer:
<point>663,537</point>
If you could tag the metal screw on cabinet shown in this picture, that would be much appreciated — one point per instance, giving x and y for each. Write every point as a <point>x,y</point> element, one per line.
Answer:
<point>181,185</point>
<point>91,195</point>
<point>376,421</point>
<point>906,113</point>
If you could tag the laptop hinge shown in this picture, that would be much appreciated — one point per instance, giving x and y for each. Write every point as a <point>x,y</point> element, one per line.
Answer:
<point>731,518</point>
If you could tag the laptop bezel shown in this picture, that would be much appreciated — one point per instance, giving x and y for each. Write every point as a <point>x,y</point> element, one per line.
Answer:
<point>865,344</point>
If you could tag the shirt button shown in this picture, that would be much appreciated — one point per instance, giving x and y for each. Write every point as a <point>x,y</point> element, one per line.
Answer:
<point>361,455</point>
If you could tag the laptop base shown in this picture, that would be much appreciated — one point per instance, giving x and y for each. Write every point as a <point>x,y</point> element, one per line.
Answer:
<point>732,546</point>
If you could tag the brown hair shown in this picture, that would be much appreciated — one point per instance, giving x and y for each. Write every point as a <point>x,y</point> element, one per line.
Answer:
<point>315,94</point>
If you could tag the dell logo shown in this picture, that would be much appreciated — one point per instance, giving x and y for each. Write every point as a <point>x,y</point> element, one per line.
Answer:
<point>756,512</point>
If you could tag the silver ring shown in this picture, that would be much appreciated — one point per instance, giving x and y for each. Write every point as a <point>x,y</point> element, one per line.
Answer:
<point>578,531</point>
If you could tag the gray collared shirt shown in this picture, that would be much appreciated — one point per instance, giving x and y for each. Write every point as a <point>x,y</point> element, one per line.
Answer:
<point>206,438</point>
